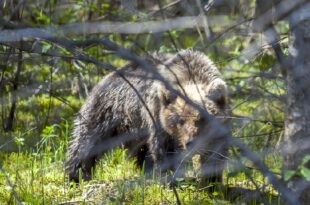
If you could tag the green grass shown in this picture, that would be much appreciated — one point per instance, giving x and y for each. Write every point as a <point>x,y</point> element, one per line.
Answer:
<point>39,178</point>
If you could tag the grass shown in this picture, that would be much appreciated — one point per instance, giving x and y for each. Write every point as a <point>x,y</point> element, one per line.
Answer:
<point>39,178</point>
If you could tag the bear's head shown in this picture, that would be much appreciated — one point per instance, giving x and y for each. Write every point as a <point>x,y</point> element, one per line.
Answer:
<point>194,75</point>
<point>181,120</point>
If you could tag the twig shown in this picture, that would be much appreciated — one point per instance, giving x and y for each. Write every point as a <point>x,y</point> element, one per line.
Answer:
<point>76,202</point>
<point>8,181</point>
<point>51,32</point>
<point>176,194</point>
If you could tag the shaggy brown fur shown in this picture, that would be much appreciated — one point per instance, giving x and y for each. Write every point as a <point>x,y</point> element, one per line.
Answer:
<point>114,115</point>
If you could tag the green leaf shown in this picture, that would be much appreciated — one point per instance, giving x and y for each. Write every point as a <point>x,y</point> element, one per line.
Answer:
<point>232,174</point>
<point>305,160</point>
<point>105,5</point>
<point>288,174</point>
<point>178,179</point>
<point>305,172</point>
<point>19,141</point>
<point>215,193</point>
<point>266,62</point>
<point>46,47</point>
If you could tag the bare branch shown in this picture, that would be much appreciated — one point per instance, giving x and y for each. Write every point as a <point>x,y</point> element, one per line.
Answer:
<point>109,27</point>
<point>283,9</point>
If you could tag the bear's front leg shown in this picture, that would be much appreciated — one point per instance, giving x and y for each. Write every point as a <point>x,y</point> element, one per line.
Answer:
<point>213,163</point>
<point>79,159</point>
<point>211,169</point>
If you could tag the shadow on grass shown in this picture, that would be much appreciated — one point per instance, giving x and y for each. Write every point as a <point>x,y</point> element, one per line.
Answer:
<point>238,195</point>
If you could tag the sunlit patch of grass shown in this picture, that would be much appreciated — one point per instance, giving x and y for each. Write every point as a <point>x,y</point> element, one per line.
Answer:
<point>39,177</point>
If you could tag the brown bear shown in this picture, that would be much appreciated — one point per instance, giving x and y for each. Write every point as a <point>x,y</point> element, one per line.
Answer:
<point>153,123</point>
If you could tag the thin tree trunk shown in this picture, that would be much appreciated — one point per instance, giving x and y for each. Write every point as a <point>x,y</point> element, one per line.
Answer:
<point>16,12</point>
<point>10,120</point>
<point>296,70</point>
<point>297,122</point>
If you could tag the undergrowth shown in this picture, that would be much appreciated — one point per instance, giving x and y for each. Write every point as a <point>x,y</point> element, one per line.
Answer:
<point>38,177</point>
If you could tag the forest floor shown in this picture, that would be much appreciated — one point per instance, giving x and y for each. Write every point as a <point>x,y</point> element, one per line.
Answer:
<point>38,177</point>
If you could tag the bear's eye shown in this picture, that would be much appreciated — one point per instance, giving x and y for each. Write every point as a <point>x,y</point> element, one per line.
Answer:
<point>181,121</point>
<point>176,119</point>
<point>169,98</point>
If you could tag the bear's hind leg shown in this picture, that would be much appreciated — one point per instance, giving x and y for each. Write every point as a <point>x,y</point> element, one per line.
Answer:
<point>80,161</point>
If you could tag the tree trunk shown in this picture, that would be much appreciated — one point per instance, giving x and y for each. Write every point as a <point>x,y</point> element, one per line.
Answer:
<point>297,122</point>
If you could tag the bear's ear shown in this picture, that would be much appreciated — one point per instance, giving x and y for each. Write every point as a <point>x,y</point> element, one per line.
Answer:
<point>217,92</point>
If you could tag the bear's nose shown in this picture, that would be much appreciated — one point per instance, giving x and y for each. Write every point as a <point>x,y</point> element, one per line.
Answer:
<point>200,122</point>
<point>189,144</point>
